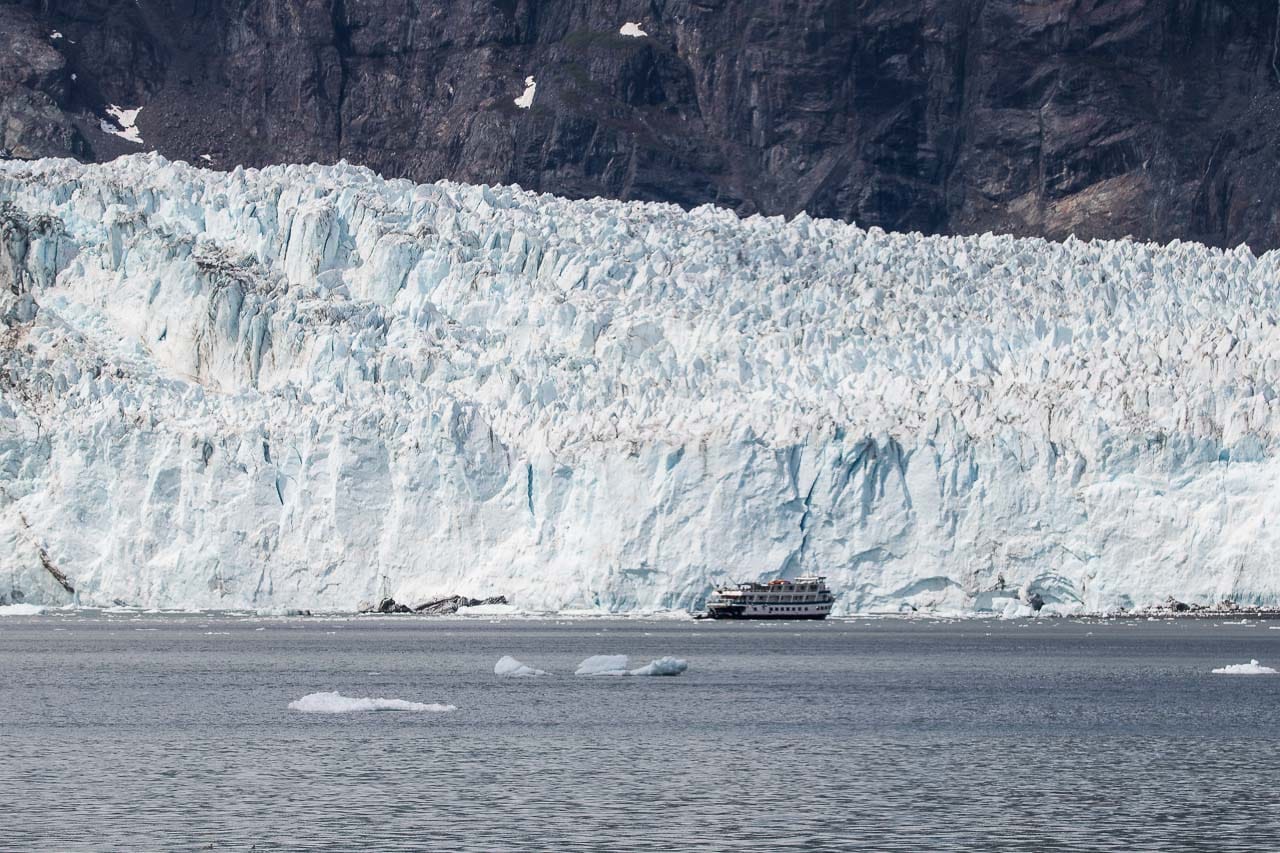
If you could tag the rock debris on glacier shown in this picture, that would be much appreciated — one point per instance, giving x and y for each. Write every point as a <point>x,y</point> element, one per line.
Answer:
<point>278,388</point>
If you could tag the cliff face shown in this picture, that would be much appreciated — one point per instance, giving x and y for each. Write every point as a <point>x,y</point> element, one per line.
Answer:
<point>1157,120</point>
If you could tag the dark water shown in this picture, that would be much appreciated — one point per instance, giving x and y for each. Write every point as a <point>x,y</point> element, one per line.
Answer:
<point>146,733</point>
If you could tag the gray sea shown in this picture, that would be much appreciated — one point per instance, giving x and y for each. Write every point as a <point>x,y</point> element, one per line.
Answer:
<point>156,732</point>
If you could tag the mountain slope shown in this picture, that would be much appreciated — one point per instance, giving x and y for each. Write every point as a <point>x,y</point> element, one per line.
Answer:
<point>288,387</point>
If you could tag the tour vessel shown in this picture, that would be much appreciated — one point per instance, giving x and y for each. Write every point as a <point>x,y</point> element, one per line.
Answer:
<point>803,598</point>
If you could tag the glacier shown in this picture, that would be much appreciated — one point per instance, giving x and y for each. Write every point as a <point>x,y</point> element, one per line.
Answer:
<point>301,386</point>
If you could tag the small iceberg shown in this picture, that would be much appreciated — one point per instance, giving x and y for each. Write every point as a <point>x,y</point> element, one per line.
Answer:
<point>633,30</point>
<point>1015,609</point>
<point>509,667</point>
<point>662,666</point>
<point>336,703</point>
<point>20,610</point>
<point>617,665</point>
<point>1250,668</point>
<point>603,665</point>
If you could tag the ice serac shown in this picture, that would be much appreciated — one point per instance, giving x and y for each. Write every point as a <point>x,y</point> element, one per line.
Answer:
<point>300,386</point>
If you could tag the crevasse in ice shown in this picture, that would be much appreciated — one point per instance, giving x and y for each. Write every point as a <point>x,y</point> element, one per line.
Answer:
<point>303,386</point>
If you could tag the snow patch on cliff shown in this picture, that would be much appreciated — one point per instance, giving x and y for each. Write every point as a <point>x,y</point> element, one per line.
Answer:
<point>126,123</point>
<point>526,97</point>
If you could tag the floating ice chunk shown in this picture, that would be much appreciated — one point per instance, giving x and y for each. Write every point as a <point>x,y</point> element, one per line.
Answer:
<point>55,35</point>
<point>617,665</point>
<point>208,158</point>
<point>127,121</point>
<point>603,665</point>
<point>20,610</point>
<point>633,30</point>
<point>662,666</point>
<point>512,668</point>
<point>1250,668</point>
<point>336,703</point>
<point>526,98</point>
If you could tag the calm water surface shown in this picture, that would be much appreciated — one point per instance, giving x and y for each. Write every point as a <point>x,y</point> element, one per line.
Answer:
<point>174,733</point>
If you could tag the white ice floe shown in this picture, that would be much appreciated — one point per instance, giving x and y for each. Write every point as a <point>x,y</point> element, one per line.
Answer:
<point>126,123</point>
<point>603,665</point>
<point>208,158</point>
<point>20,610</point>
<point>512,668</point>
<point>633,30</point>
<point>1250,668</point>
<point>617,665</point>
<point>55,35</point>
<point>526,98</point>
<point>336,703</point>
<point>308,382</point>
<point>662,666</point>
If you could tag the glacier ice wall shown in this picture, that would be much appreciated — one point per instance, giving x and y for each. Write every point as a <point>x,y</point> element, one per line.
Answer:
<point>301,385</point>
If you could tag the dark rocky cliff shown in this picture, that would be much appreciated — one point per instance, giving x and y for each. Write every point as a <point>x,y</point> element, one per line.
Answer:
<point>1093,117</point>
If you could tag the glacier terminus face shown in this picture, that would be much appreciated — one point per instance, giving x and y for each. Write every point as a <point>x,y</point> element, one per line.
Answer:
<point>300,386</point>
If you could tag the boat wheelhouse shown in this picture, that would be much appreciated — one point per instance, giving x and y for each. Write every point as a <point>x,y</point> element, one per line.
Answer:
<point>803,598</point>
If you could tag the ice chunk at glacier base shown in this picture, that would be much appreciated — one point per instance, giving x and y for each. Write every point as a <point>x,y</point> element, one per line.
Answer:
<point>488,610</point>
<point>336,703</point>
<point>1015,609</point>
<point>1250,668</point>
<point>20,610</point>
<point>511,668</point>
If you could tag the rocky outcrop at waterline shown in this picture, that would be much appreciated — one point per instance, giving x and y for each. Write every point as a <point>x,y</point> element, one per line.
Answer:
<point>436,607</point>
